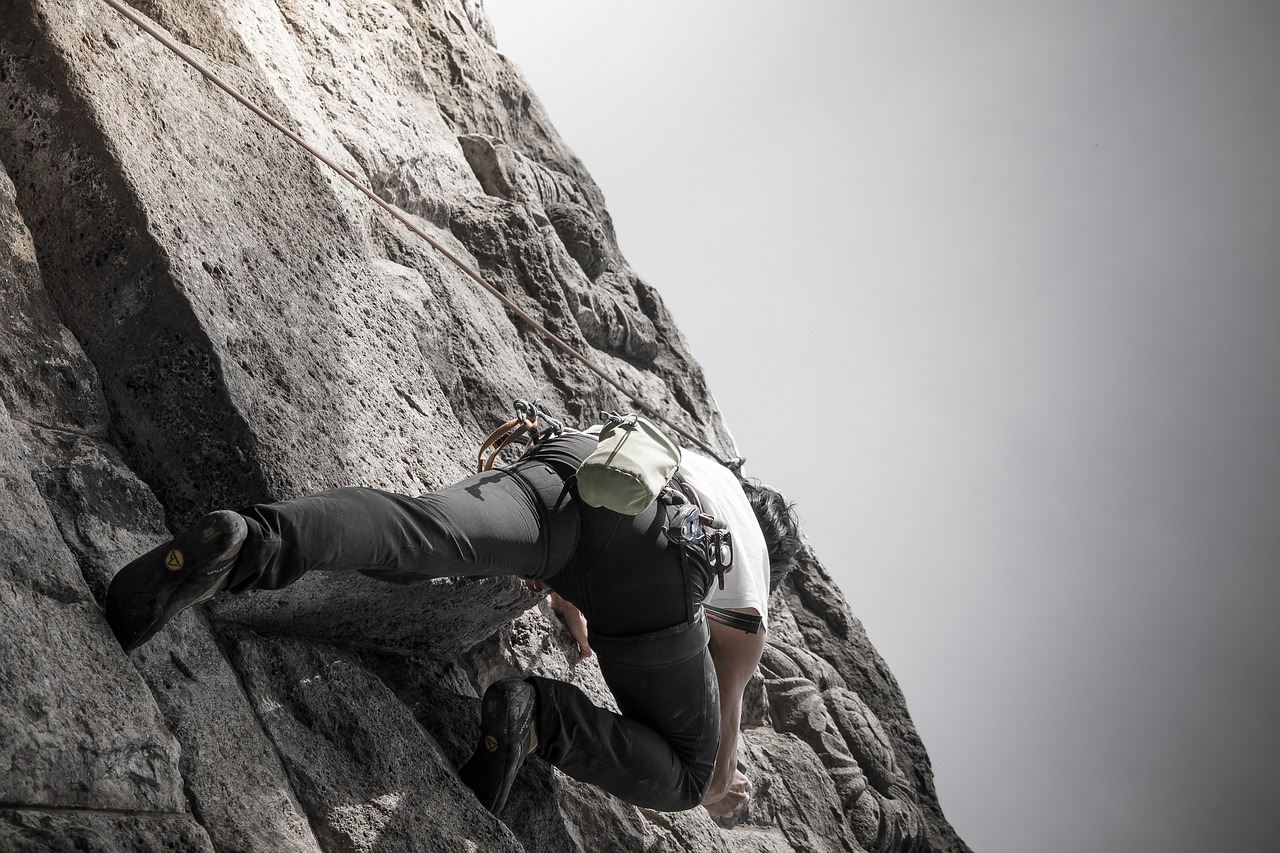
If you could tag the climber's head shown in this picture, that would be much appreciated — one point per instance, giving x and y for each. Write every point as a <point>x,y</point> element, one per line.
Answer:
<point>781,529</point>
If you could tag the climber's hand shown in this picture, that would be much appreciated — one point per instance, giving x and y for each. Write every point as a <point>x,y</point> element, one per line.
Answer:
<point>739,795</point>
<point>573,620</point>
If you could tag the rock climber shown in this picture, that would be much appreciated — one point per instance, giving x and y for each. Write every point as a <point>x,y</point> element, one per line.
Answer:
<point>677,676</point>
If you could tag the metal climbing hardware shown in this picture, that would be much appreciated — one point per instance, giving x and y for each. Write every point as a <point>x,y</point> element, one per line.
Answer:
<point>720,550</point>
<point>694,528</point>
<point>686,525</point>
<point>525,426</point>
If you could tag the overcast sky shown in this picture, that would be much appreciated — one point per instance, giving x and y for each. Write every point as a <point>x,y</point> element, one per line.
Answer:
<point>992,290</point>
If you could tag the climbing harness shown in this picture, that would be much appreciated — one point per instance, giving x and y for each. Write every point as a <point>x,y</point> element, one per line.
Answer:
<point>734,463</point>
<point>631,450</point>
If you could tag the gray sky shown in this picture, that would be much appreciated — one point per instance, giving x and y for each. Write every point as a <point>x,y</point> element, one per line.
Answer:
<point>1022,261</point>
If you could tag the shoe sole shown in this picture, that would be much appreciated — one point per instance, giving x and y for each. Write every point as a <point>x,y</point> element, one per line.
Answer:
<point>166,580</point>
<point>507,737</point>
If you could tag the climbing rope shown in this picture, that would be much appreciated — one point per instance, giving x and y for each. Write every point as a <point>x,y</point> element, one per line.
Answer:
<point>146,26</point>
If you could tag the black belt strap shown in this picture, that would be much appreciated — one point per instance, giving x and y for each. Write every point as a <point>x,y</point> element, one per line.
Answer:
<point>747,622</point>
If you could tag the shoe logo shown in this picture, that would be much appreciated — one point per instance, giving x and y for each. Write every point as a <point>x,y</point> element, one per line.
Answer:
<point>208,533</point>
<point>491,743</point>
<point>173,561</point>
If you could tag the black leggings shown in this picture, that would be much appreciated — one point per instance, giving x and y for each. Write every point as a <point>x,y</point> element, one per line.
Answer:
<point>640,597</point>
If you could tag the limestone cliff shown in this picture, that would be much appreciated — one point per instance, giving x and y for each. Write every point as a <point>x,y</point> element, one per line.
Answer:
<point>197,315</point>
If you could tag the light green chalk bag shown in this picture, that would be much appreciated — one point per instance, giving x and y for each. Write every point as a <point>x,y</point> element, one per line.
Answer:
<point>629,467</point>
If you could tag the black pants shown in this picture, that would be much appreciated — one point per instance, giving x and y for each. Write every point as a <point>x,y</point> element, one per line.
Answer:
<point>640,597</point>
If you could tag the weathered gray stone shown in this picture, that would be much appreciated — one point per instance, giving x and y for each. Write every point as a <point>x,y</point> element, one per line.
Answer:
<point>834,634</point>
<point>256,398</point>
<point>551,812</point>
<point>883,814</point>
<point>106,516</point>
<point>536,643</point>
<point>234,779</point>
<point>796,794</point>
<point>77,725</point>
<point>76,729</point>
<point>45,377</point>
<point>368,776</point>
<point>230,773</point>
<point>440,618</point>
<point>772,840</point>
<point>76,831</point>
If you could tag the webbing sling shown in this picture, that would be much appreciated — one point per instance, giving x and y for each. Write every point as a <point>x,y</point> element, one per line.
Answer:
<point>746,622</point>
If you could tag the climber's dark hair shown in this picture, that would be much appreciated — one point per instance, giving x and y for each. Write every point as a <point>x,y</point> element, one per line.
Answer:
<point>781,529</point>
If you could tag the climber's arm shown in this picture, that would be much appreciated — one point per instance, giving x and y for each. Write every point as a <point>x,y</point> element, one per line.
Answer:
<point>736,654</point>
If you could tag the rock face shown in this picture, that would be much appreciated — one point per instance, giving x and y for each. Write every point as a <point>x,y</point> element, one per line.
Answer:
<point>197,315</point>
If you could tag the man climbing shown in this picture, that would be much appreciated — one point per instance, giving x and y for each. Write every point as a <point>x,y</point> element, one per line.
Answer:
<point>677,676</point>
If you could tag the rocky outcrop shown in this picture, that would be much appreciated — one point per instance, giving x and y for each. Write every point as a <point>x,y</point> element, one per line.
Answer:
<point>196,315</point>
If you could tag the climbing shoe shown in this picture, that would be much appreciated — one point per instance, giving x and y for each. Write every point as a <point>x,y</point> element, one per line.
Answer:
<point>507,736</point>
<point>163,582</point>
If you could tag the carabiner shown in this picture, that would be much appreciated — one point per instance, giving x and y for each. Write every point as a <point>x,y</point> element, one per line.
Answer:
<point>687,525</point>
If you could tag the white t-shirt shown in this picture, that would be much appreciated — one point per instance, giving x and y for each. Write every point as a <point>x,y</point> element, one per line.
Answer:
<point>746,584</point>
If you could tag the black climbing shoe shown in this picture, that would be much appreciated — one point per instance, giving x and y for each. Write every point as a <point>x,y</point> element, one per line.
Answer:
<point>507,736</point>
<point>163,582</point>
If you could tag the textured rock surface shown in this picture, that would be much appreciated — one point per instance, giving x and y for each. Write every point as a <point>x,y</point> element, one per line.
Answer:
<point>369,777</point>
<point>77,727</point>
<point>37,831</point>
<point>197,315</point>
